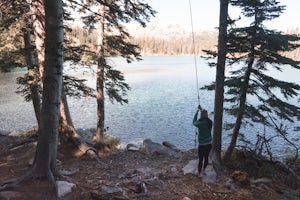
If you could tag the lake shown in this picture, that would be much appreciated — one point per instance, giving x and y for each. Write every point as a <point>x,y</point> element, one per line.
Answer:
<point>162,102</point>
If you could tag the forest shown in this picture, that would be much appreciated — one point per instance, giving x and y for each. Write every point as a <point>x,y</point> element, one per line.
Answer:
<point>157,40</point>
<point>40,37</point>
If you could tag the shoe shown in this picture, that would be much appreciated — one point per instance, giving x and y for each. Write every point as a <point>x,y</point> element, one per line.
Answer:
<point>199,175</point>
<point>202,173</point>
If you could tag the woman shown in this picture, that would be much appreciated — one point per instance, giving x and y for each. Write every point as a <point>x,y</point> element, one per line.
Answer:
<point>204,125</point>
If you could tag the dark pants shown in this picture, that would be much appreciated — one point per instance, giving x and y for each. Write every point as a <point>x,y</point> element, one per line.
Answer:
<point>203,152</point>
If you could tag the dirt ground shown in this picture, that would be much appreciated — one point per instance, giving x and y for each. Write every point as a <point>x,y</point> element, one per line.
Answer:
<point>162,176</point>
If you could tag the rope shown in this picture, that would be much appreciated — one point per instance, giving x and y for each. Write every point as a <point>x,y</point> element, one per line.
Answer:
<point>195,63</point>
<point>194,51</point>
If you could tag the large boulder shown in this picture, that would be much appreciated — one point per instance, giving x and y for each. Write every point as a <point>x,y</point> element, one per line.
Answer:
<point>154,148</point>
<point>210,175</point>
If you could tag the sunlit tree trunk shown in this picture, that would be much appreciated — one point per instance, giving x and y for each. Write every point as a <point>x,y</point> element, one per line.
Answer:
<point>100,78</point>
<point>45,158</point>
<point>38,18</point>
<point>219,90</point>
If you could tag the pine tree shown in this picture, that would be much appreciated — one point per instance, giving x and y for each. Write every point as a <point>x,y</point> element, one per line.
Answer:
<point>253,51</point>
<point>113,40</point>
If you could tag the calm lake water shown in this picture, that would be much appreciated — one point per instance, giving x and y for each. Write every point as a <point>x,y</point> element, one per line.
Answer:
<point>162,102</point>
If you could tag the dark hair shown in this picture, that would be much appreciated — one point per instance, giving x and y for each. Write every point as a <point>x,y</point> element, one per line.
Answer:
<point>204,116</point>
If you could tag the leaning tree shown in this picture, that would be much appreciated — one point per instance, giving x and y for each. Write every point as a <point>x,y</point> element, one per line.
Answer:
<point>253,94</point>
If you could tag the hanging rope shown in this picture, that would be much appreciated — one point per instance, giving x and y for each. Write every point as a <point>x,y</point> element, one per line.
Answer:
<point>195,63</point>
<point>194,51</point>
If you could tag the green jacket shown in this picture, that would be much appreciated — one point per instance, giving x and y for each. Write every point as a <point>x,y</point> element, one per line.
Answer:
<point>204,130</point>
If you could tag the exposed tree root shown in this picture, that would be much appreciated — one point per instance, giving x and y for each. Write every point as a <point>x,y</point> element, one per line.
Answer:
<point>77,140</point>
<point>23,143</point>
<point>31,174</point>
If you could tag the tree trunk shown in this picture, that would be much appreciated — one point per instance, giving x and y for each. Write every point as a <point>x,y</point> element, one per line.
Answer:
<point>67,129</point>
<point>38,18</point>
<point>243,95</point>
<point>45,157</point>
<point>100,79</point>
<point>219,90</point>
<point>241,111</point>
<point>34,87</point>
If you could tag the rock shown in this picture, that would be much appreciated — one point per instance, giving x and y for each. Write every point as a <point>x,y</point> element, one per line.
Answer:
<point>64,187</point>
<point>142,170</point>
<point>4,132</point>
<point>261,181</point>
<point>230,185</point>
<point>132,147</point>
<point>58,162</point>
<point>170,145</point>
<point>136,179</point>
<point>67,172</point>
<point>153,148</point>
<point>111,190</point>
<point>186,198</point>
<point>240,178</point>
<point>174,169</point>
<point>30,161</point>
<point>155,182</point>
<point>8,195</point>
<point>210,175</point>
<point>140,187</point>
<point>191,167</point>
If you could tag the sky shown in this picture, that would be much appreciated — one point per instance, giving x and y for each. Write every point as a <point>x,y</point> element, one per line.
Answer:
<point>205,14</point>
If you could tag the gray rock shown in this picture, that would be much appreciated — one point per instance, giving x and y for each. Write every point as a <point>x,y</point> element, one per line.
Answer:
<point>261,181</point>
<point>8,195</point>
<point>170,145</point>
<point>4,132</point>
<point>141,187</point>
<point>68,172</point>
<point>210,175</point>
<point>64,188</point>
<point>111,190</point>
<point>192,168</point>
<point>230,185</point>
<point>155,182</point>
<point>153,148</point>
<point>132,147</point>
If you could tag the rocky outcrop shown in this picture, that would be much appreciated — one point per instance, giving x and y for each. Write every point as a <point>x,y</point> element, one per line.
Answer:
<point>153,148</point>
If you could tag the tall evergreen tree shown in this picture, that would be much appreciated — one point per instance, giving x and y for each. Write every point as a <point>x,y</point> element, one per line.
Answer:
<point>219,86</point>
<point>113,40</point>
<point>256,49</point>
<point>45,158</point>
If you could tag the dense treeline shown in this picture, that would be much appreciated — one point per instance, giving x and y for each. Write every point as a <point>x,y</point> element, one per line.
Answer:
<point>180,42</point>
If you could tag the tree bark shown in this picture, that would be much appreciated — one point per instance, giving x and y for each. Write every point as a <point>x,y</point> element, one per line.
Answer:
<point>100,79</point>
<point>45,157</point>
<point>38,18</point>
<point>34,87</point>
<point>219,90</point>
<point>241,111</point>
<point>67,129</point>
